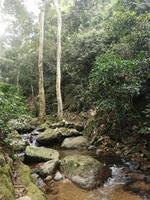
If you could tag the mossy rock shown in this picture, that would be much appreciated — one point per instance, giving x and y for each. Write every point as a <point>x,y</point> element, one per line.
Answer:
<point>32,190</point>
<point>6,187</point>
<point>84,171</point>
<point>50,135</point>
<point>75,142</point>
<point>39,154</point>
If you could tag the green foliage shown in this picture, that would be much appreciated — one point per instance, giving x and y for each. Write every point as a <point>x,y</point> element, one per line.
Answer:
<point>114,83</point>
<point>11,106</point>
<point>105,50</point>
<point>145,125</point>
<point>114,80</point>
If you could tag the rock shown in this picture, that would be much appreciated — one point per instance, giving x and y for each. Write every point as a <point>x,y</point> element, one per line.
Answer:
<point>49,168</point>
<point>75,142</point>
<point>84,171</point>
<point>6,187</point>
<point>25,177</point>
<point>35,177</point>
<point>39,154</point>
<point>48,179</point>
<point>16,142</point>
<point>40,183</point>
<point>24,198</point>
<point>57,125</point>
<point>50,136</point>
<point>58,176</point>
<point>77,126</point>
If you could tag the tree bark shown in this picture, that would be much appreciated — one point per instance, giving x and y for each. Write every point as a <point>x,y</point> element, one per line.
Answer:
<point>58,68</point>
<point>42,113</point>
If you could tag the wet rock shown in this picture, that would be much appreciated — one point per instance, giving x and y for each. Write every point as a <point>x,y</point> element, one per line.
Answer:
<point>49,168</point>
<point>50,136</point>
<point>39,154</point>
<point>32,189</point>
<point>75,142</point>
<point>84,171</point>
<point>40,183</point>
<point>58,176</point>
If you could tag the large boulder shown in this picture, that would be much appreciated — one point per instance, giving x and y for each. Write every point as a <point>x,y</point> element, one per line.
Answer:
<point>39,154</point>
<point>50,135</point>
<point>84,171</point>
<point>48,168</point>
<point>75,142</point>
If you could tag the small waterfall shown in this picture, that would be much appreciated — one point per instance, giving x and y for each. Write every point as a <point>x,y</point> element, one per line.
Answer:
<point>118,177</point>
<point>30,138</point>
<point>114,183</point>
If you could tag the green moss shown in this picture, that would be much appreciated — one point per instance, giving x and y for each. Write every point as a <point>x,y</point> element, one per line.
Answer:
<point>80,165</point>
<point>6,186</point>
<point>32,190</point>
<point>25,174</point>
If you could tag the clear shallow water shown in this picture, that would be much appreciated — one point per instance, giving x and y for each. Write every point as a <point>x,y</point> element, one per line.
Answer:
<point>113,188</point>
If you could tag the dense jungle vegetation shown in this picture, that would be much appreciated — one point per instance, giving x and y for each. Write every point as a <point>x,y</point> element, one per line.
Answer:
<point>105,61</point>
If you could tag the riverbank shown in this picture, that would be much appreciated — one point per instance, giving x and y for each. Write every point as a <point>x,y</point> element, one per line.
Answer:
<point>64,164</point>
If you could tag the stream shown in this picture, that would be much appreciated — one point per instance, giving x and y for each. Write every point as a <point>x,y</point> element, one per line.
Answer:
<point>115,188</point>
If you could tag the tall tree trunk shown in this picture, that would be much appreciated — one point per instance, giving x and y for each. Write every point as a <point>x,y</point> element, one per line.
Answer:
<point>58,70</point>
<point>42,113</point>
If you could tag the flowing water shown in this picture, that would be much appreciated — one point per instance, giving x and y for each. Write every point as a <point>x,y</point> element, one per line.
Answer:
<point>113,188</point>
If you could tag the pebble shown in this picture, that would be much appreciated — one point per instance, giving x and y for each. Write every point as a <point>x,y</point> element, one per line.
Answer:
<point>58,176</point>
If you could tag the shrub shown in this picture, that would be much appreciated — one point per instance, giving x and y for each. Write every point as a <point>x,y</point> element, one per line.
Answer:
<point>11,106</point>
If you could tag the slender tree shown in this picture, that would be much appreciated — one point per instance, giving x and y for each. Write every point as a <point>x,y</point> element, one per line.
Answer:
<point>58,68</point>
<point>42,113</point>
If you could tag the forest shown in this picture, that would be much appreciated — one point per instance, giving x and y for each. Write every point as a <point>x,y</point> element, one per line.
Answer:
<point>75,99</point>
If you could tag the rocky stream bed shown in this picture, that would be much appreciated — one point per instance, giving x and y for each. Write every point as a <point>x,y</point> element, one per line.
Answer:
<point>65,166</point>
